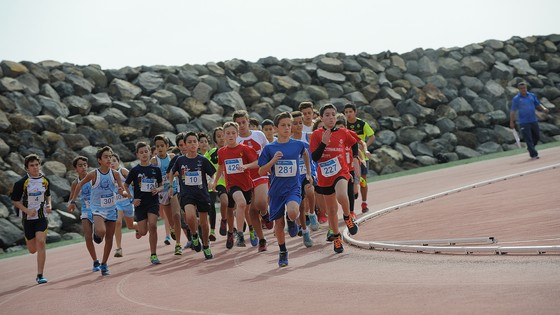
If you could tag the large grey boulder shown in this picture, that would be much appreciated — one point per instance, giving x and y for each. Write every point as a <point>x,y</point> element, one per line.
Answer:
<point>522,67</point>
<point>466,153</point>
<point>149,82</point>
<point>9,234</point>
<point>80,85</point>
<point>330,77</point>
<point>124,90</point>
<point>232,100</point>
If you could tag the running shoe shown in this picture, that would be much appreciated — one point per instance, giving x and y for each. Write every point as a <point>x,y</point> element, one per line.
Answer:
<point>283,259</point>
<point>240,240</point>
<point>307,240</point>
<point>196,244</point>
<point>229,240</point>
<point>172,232</point>
<point>95,266</point>
<point>167,240</point>
<point>323,219</point>
<point>118,252</point>
<point>352,227</point>
<point>154,260</point>
<point>212,237</point>
<point>364,207</point>
<point>253,237</point>
<point>266,220</point>
<point>262,245</point>
<point>313,223</point>
<point>188,245</point>
<point>353,215</point>
<point>97,239</point>
<point>178,249</point>
<point>223,227</point>
<point>207,253</point>
<point>292,228</point>
<point>40,279</point>
<point>104,269</point>
<point>330,235</point>
<point>338,248</point>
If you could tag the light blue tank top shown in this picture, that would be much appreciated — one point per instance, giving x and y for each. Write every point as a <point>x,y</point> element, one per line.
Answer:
<point>85,197</point>
<point>122,202</point>
<point>103,192</point>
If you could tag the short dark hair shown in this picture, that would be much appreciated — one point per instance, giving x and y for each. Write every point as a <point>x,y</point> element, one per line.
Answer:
<point>140,145</point>
<point>180,136</point>
<point>297,113</point>
<point>163,138</point>
<point>340,119</point>
<point>267,122</point>
<point>304,105</point>
<point>30,158</point>
<point>215,131</point>
<point>253,122</point>
<point>325,107</point>
<point>203,134</point>
<point>231,124</point>
<point>239,114</point>
<point>350,105</point>
<point>281,116</point>
<point>190,134</point>
<point>78,158</point>
<point>100,152</point>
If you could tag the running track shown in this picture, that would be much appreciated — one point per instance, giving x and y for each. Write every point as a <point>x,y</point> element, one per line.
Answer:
<point>524,210</point>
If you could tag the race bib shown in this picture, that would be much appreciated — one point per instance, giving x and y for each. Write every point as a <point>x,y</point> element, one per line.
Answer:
<point>193,178</point>
<point>285,168</point>
<point>233,166</point>
<point>147,184</point>
<point>35,198</point>
<point>302,168</point>
<point>330,168</point>
<point>107,200</point>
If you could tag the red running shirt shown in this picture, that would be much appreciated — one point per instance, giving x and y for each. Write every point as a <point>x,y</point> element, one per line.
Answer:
<point>230,159</point>
<point>256,140</point>
<point>332,163</point>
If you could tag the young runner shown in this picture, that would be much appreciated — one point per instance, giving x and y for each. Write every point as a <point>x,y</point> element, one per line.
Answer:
<point>80,164</point>
<point>105,183</point>
<point>328,149</point>
<point>234,160</point>
<point>31,196</point>
<point>306,108</point>
<point>192,169</point>
<point>203,149</point>
<point>169,206</point>
<point>354,182</point>
<point>267,127</point>
<point>220,192</point>
<point>148,183</point>
<point>364,131</point>
<point>320,209</point>
<point>258,208</point>
<point>124,207</point>
<point>280,159</point>
<point>307,206</point>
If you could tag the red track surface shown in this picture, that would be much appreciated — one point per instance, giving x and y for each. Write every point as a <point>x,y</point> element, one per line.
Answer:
<point>523,210</point>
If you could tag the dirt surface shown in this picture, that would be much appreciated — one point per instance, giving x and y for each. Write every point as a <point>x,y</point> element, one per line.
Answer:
<point>522,210</point>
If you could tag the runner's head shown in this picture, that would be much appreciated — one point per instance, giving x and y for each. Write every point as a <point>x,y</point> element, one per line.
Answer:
<point>241,117</point>
<point>143,152</point>
<point>231,131</point>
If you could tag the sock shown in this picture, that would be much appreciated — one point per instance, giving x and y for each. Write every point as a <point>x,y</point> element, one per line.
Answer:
<point>212,231</point>
<point>195,236</point>
<point>283,247</point>
<point>39,275</point>
<point>154,254</point>
<point>306,230</point>
<point>251,228</point>
<point>262,241</point>
<point>205,246</point>
<point>345,217</point>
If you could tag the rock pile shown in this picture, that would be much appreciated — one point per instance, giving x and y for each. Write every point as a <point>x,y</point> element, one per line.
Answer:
<point>427,106</point>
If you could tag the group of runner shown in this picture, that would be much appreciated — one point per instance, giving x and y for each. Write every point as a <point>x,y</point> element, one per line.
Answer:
<point>294,172</point>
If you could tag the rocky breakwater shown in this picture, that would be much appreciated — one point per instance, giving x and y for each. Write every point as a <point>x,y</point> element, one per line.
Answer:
<point>427,106</point>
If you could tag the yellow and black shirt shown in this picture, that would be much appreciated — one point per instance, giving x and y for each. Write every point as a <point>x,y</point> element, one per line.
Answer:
<point>33,193</point>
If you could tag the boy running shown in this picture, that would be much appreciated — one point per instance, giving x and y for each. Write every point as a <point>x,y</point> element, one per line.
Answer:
<point>124,207</point>
<point>220,192</point>
<point>258,208</point>
<point>364,131</point>
<point>31,196</point>
<point>105,183</point>
<point>147,182</point>
<point>306,108</point>
<point>234,160</point>
<point>281,160</point>
<point>80,164</point>
<point>192,170</point>
<point>328,149</point>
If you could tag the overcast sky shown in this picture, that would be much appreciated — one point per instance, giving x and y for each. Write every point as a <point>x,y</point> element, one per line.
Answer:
<point>118,33</point>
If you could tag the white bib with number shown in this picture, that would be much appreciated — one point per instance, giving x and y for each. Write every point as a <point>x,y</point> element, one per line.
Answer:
<point>285,168</point>
<point>330,168</point>
<point>233,166</point>
<point>302,168</point>
<point>35,198</point>
<point>147,184</point>
<point>193,178</point>
<point>107,200</point>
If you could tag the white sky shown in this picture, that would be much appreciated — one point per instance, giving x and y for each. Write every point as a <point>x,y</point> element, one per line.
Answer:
<point>118,33</point>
